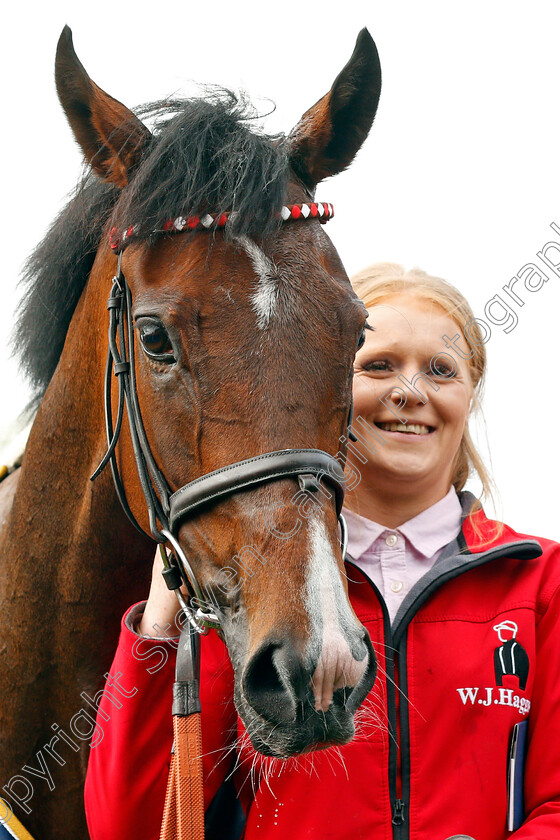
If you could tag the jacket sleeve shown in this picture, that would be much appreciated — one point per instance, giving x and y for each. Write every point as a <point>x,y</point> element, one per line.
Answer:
<point>130,751</point>
<point>542,768</point>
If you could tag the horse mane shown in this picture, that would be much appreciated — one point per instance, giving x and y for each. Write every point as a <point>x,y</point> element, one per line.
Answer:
<point>203,158</point>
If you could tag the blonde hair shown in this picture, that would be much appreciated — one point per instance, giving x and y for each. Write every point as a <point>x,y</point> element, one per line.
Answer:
<point>383,280</point>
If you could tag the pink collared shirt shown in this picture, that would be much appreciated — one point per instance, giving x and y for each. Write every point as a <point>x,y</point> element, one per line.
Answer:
<point>395,559</point>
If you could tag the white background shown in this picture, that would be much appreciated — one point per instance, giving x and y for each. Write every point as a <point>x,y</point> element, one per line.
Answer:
<point>460,175</point>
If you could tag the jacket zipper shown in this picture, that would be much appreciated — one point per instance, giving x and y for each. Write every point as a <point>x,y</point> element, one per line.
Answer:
<point>397,802</point>
<point>398,812</point>
<point>398,785</point>
<point>398,805</point>
<point>401,828</point>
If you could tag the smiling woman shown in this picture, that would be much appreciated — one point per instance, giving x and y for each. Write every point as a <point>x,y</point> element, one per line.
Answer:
<point>416,391</point>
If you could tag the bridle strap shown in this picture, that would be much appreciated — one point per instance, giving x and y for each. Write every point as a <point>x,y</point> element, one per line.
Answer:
<point>119,238</point>
<point>120,358</point>
<point>272,466</point>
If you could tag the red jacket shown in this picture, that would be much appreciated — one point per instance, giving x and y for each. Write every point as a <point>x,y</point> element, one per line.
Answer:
<point>474,649</point>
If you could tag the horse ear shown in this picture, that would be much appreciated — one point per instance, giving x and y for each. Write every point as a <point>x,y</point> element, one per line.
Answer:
<point>327,137</point>
<point>111,136</point>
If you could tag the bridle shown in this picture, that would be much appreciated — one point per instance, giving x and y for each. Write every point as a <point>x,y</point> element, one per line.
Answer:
<point>167,509</point>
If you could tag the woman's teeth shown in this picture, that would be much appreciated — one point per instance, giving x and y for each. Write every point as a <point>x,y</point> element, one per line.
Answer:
<point>410,428</point>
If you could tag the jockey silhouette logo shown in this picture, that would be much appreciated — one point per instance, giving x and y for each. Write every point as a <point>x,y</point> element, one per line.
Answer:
<point>510,658</point>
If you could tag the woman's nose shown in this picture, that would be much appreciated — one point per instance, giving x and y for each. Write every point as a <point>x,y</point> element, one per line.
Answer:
<point>399,395</point>
<point>416,385</point>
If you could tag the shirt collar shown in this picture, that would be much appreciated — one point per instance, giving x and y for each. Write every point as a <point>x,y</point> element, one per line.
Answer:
<point>435,527</point>
<point>362,533</point>
<point>428,532</point>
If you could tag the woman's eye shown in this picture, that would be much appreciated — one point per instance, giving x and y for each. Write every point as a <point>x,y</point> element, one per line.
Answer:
<point>156,342</point>
<point>376,365</point>
<point>442,369</point>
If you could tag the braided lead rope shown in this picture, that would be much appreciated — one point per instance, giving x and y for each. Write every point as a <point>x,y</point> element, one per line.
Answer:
<point>183,815</point>
<point>118,239</point>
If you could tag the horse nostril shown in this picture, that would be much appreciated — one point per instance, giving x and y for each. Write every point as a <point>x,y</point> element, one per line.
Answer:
<point>275,681</point>
<point>359,692</point>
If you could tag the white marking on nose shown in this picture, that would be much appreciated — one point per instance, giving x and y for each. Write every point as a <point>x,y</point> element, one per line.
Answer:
<point>332,621</point>
<point>265,299</point>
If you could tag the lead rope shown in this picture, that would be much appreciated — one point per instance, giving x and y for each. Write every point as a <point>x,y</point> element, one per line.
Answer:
<point>183,814</point>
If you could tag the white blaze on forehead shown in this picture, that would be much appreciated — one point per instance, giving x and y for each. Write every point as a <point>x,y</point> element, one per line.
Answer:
<point>265,299</point>
<point>333,624</point>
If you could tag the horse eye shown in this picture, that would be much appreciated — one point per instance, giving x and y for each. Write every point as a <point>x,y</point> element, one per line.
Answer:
<point>361,339</point>
<point>155,341</point>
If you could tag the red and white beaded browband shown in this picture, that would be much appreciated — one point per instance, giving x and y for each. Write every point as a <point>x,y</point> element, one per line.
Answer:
<point>316,210</point>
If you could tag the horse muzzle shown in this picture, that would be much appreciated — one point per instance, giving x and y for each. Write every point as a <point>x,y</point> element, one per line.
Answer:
<point>276,701</point>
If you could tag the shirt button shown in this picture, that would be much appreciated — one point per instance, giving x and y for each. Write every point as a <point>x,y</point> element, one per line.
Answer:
<point>391,540</point>
<point>396,586</point>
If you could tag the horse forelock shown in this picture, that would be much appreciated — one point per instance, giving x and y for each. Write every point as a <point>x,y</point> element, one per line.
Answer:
<point>207,155</point>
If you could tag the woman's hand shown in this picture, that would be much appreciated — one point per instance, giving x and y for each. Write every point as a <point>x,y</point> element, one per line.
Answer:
<point>161,607</point>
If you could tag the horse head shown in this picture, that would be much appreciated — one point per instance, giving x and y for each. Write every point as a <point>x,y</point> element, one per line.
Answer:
<point>244,338</point>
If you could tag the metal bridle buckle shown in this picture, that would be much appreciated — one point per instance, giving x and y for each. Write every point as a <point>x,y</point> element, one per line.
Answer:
<point>201,620</point>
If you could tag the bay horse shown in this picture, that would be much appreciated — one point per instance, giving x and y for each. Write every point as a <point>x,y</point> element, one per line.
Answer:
<point>244,334</point>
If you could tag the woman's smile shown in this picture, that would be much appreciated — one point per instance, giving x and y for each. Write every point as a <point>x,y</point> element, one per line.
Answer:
<point>416,429</point>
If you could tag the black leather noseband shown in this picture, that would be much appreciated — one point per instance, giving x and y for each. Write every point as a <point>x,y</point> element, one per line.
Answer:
<point>171,509</point>
<point>286,463</point>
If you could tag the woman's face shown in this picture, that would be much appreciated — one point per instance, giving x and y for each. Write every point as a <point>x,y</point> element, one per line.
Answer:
<point>416,392</point>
